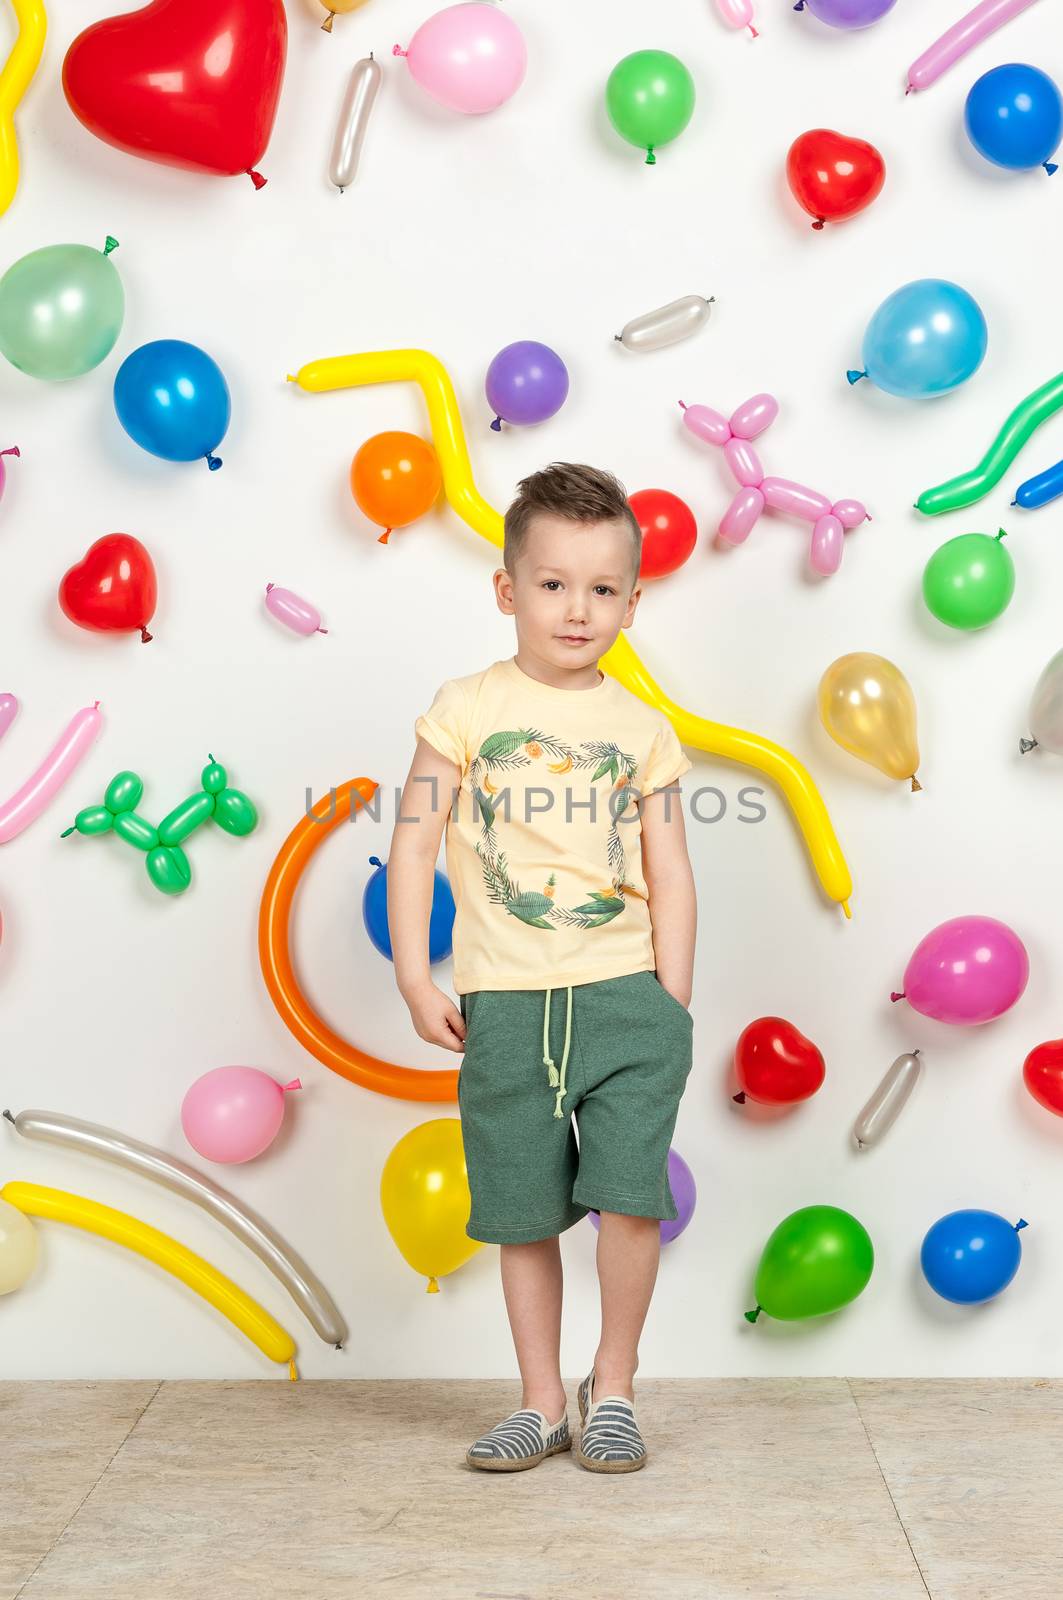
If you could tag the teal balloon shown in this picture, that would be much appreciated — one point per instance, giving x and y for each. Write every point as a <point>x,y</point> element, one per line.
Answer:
<point>650,99</point>
<point>61,310</point>
<point>969,581</point>
<point>817,1260</point>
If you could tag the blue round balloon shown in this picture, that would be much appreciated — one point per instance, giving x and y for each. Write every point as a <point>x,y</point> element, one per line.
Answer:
<point>1014,117</point>
<point>970,1256</point>
<point>928,337</point>
<point>375,914</point>
<point>172,399</point>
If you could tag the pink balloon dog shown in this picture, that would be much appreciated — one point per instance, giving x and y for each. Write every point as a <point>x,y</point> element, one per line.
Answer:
<point>737,14</point>
<point>977,25</point>
<point>966,971</point>
<point>829,522</point>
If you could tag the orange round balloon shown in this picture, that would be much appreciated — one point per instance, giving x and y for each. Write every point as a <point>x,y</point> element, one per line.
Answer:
<point>395,479</point>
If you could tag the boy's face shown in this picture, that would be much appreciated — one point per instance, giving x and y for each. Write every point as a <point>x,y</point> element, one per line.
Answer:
<point>572,591</point>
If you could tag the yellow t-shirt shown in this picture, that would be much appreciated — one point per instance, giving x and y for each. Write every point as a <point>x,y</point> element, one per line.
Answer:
<point>543,839</point>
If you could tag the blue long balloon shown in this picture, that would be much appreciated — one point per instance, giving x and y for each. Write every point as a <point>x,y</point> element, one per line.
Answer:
<point>1047,485</point>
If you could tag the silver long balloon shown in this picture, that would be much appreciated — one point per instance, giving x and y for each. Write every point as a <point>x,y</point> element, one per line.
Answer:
<point>888,1100</point>
<point>354,119</point>
<point>292,1271</point>
<point>1046,710</point>
<point>667,324</point>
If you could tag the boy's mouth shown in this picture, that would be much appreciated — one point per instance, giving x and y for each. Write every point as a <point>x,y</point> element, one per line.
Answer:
<point>575,638</point>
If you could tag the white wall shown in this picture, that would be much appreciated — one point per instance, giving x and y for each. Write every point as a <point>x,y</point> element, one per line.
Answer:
<point>461,235</point>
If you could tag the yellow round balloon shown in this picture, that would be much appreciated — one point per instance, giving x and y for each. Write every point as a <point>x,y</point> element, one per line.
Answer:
<point>424,1194</point>
<point>867,706</point>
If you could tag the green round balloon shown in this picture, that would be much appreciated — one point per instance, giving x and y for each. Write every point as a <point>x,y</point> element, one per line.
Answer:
<point>650,99</point>
<point>817,1259</point>
<point>969,581</point>
<point>61,310</point>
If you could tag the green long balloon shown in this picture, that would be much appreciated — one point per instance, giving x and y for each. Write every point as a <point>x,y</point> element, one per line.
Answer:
<point>971,486</point>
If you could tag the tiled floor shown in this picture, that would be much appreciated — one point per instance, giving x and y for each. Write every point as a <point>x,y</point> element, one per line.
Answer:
<point>768,1490</point>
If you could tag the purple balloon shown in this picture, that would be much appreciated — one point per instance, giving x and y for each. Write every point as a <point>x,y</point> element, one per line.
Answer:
<point>684,1193</point>
<point>966,971</point>
<point>847,13</point>
<point>526,382</point>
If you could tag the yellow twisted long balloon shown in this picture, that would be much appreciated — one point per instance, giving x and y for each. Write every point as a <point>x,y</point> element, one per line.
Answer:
<point>448,436</point>
<point>15,79</point>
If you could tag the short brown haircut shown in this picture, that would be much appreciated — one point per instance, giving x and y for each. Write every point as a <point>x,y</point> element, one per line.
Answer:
<point>577,492</point>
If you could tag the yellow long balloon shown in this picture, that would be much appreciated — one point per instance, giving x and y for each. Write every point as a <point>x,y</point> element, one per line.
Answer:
<point>622,661</point>
<point>56,1205</point>
<point>15,79</point>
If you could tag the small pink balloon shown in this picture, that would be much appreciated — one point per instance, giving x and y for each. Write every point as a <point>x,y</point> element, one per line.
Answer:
<point>737,14</point>
<point>8,712</point>
<point>706,423</point>
<point>828,541</point>
<point>850,513</point>
<point>966,971</point>
<point>470,57</point>
<point>753,416</point>
<point>741,515</point>
<point>293,611</point>
<point>13,451</point>
<point>234,1113</point>
<point>744,463</point>
<point>783,495</point>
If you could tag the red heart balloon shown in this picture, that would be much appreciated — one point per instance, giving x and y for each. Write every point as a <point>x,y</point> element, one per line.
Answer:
<point>776,1064</point>
<point>113,589</point>
<point>1043,1072</point>
<point>191,83</point>
<point>833,176</point>
<point>669,531</point>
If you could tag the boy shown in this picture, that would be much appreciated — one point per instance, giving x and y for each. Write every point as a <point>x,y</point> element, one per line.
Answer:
<point>573,951</point>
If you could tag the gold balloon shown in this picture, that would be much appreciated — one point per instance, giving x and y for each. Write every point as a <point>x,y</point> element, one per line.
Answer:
<point>867,706</point>
<point>424,1194</point>
<point>338,8</point>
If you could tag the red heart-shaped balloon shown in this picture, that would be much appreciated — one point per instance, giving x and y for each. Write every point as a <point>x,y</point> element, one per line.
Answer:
<point>1043,1073</point>
<point>833,176</point>
<point>113,588</point>
<point>191,83</point>
<point>776,1064</point>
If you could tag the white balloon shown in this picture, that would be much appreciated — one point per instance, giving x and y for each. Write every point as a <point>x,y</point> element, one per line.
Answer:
<point>1046,710</point>
<point>888,1100</point>
<point>357,107</point>
<point>18,1248</point>
<point>667,325</point>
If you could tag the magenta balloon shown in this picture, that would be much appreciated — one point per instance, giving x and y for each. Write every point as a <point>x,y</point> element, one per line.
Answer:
<point>753,416</point>
<point>744,463</point>
<point>741,515</point>
<point>684,1193</point>
<point>13,451</point>
<point>967,971</point>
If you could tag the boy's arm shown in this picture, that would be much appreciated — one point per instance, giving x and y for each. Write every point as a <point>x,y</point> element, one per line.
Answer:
<point>426,800</point>
<point>670,880</point>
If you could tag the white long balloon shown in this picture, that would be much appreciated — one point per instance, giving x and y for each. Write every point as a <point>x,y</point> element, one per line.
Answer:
<point>888,1100</point>
<point>666,324</point>
<point>355,112</point>
<point>292,1271</point>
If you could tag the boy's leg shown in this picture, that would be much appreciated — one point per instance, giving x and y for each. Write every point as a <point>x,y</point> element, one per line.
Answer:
<point>629,1251</point>
<point>532,1284</point>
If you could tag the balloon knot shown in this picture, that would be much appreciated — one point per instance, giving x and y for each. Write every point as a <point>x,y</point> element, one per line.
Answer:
<point>326,26</point>
<point>433,1287</point>
<point>145,636</point>
<point>383,539</point>
<point>751,1316</point>
<point>917,787</point>
<point>109,244</point>
<point>296,1083</point>
<point>651,159</point>
<point>1022,1223</point>
<point>852,375</point>
<point>9,1117</point>
<point>753,31</point>
<point>818,224</point>
<point>800,6</point>
<point>12,450</point>
<point>496,426</point>
<point>682,405</point>
<point>321,630</point>
<point>213,461</point>
<point>1027,744</point>
<point>293,1373</point>
<point>739,1098</point>
<point>1002,534</point>
<point>397,50</point>
<point>1050,167</point>
<point>375,861</point>
<point>256,178</point>
<point>909,88</point>
<point>900,996</point>
<point>68,831</point>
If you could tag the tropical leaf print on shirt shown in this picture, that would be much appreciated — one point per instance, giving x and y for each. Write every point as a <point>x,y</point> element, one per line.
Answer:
<point>522,747</point>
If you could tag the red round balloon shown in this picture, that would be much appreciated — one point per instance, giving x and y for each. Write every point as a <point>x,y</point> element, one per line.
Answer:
<point>190,83</point>
<point>113,588</point>
<point>1043,1074</point>
<point>776,1064</point>
<point>669,531</point>
<point>833,176</point>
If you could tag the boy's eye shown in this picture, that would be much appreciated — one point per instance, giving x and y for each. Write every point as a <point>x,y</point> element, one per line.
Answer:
<point>605,588</point>
<point>551,583</point>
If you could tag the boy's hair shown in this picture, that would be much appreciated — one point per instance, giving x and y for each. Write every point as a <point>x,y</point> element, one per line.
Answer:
<point>569,489</point>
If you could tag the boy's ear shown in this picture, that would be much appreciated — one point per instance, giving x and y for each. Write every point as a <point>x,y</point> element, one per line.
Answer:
<point>503,583</point>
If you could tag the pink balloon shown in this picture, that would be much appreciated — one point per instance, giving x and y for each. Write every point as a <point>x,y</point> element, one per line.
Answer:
<point>784,495</point>
<point>234,1113</point>
<point>294,612</point>
<point>850,513</point>
<point>742,460</point>
<point>27,803</point>
<point>14,451</point>
<point>470,57</point>
<point>737,14</point>
<point>753,416</point>
<point>966,971</point>
<point>8,712</point>
<point>741,515</point>
<point>977,25</point>
<point>828,541</point>
<point>706,423</point>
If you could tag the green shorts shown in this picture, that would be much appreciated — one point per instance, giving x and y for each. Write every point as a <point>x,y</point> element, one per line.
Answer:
<point>621,1077</point>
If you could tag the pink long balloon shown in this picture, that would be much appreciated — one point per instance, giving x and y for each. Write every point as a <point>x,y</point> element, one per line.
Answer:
<point>8,712</point>
<point>29,801</point>
<point>961,37</point>
<point>291,609</point>
<point>737,14</point>
<point>13,451</point>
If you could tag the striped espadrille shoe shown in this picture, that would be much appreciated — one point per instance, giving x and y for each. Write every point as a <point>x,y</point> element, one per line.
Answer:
<point>522,1440</point>
<point>609,1438</point>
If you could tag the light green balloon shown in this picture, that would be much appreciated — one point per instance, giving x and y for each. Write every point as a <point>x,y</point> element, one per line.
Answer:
<point>969,581</point>
<point>61,310</point>
<point>818,1259</point>
<point>650,99</point>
